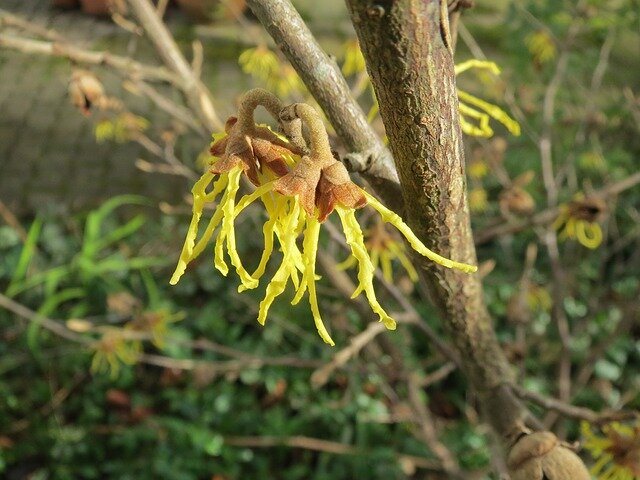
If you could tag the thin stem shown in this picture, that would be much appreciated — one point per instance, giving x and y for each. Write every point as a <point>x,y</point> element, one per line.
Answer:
<point>250,101</point>
<point>326,83</point>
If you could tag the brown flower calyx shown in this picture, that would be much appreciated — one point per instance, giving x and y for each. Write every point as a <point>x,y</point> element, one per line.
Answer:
<point>85,91</point>
<point>590,209</point>
<point>540,455</point>
<point>253,147</point>
<point>318,179</point>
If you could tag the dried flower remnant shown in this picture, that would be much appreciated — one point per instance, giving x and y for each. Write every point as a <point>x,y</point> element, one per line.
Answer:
<point>617,452</point>
<point>299,186</point>
<point>113,350</point>
<point>540,456</point>
<point>155,324</point>
<point>85,91</point>
<point>579,219</point>
<point>515,199</point>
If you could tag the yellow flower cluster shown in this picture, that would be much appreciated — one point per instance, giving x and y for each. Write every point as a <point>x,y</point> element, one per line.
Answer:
<point>475,113</point>
<point>298,189</point>
<point>579,219</point>
<point>617,451</point>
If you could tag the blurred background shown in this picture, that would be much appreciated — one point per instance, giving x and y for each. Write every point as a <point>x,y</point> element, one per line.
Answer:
<point>106,371</point>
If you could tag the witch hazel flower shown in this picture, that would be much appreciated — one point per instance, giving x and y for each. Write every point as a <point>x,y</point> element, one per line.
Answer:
<point>299,184</point>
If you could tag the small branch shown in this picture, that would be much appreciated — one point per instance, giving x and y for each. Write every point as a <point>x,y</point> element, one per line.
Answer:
<point>550,214</point>
<point>165,154</point>
<point>11,20</point>
<point>11,220</point>
<point>440,374</point>
<point>47,323</point>
<point>318,445</point>
<point>572,411</point>
<point>62,49</point>
<point>321,376</point>
<point>198,96</point>
<point>428,432</point>
<point>168,106</point>
<point>325,82</point>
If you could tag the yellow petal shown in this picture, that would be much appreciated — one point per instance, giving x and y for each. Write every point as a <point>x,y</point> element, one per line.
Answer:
<point>288,239</point>
<point>493,111</point>
<point>355,239</point>
<point>588,234</point>
<point>200,197</point>
<point>482,129</point>
<point>310,247</point>
<point>485,64</point>
<point>392,218</point>
<point>385,262</point>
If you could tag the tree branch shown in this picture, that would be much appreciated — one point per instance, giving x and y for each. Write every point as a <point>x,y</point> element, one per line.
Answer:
<point>568,410</point>
<point>412,72</point>
<point>325,82</point>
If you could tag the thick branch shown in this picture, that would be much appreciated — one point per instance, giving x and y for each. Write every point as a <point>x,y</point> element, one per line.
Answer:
<point>405,46</point>
<point>325,82</point>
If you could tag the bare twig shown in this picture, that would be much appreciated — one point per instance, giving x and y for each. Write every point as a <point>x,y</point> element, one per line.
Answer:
<point>12,221</point>
<point>198,96</point>
<point>63,49</point>
<point>165,154</point>
<point>47,323</point>
<point>162,102</point>
<point>319,445</point>
<point>550,214</point>
<point>321,376</point>
<point>11,20</point>
<point>572,411</point>
<point>428,431</point>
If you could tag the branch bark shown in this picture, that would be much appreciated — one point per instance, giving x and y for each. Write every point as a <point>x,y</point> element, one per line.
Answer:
<point>408,56</point>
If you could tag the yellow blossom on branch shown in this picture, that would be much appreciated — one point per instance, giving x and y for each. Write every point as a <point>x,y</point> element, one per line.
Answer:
<point>275,74</point>
<point>113,350</point>
<point>616,451</point>
<point>579,219</point>
<point>475,113</point>
<point>299,186</point>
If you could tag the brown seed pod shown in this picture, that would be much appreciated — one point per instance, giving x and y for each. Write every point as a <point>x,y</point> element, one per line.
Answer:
<point>85,91</point>
<point>540,456</point>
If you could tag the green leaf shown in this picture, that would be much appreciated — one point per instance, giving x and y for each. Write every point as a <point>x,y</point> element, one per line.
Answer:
<point>25,256</point>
